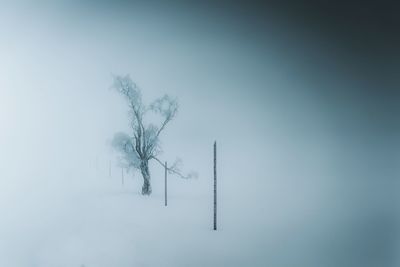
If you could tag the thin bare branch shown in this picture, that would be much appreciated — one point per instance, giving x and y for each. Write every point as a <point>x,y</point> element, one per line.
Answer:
<point>175,170</point>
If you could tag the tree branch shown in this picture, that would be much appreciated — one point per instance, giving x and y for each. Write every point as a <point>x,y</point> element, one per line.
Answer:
<point>173,170</point>
<point>168,119</point>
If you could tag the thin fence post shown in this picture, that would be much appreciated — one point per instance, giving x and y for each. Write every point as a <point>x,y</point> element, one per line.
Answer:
<point>215,185</point>
<point>166,185</point>
<point>122,172</point>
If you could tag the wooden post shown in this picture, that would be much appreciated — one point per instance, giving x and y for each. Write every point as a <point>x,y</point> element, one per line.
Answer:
<point>215,185</point>
<point>166,196</point>
<point>122,172</point>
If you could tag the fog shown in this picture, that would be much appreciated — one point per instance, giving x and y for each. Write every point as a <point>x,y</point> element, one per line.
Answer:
<point>307,132</point>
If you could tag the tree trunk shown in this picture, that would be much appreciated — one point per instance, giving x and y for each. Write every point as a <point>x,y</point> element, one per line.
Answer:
<point>144,168</point>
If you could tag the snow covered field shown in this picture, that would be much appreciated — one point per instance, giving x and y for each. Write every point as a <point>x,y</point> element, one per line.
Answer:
<point>108,224</point>
<point>90,219</point>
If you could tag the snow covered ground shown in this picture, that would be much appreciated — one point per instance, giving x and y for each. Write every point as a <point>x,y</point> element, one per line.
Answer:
<point>91,219</point>
<point>108,224</point>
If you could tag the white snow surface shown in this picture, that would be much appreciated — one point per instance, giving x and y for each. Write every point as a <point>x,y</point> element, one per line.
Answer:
<point>110,224</point>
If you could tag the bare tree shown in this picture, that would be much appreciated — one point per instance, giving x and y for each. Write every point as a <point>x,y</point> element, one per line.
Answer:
<point>143,145</point>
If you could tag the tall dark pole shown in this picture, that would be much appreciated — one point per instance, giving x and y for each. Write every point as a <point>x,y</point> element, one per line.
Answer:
<point>166,184</point>
<point>215,185</point>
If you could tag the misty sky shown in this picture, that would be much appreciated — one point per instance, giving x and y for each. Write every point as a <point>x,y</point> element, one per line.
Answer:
<point>294,71</point>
